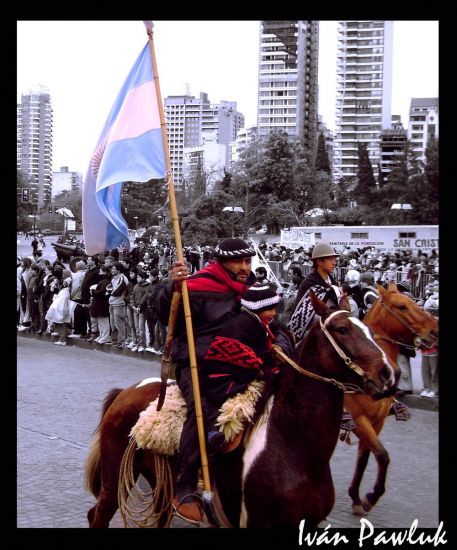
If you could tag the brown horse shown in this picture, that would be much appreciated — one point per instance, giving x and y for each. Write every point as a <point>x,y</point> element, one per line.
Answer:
<point>394,320</point>
<point>286,456</point>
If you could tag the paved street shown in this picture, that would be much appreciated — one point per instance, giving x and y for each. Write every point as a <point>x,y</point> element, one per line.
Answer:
<point>60,391</point>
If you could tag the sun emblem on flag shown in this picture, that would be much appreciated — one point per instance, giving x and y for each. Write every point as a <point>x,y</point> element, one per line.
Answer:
<point>97,158</point>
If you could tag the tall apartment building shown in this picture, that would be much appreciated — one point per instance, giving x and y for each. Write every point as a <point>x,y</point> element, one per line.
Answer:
<point>210,156</point>
<point>363,93</point>
<point>191,121</point>
<point>34,143</point>
<point>423,123</point>
<point>287,89</point>
<point>64,180</point>
<point>393,144</point>
<point>244,137</point>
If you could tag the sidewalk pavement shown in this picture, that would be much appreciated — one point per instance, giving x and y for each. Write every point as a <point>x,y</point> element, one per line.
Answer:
<point>414,400</point>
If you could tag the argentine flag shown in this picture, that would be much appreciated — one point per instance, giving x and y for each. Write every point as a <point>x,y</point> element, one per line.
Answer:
<point>130,148</point>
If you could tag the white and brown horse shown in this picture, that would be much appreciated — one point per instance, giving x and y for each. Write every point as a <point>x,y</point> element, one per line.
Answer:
<point>280,475</point>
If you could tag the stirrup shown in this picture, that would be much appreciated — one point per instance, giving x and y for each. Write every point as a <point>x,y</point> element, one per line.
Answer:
<point>197,499</point>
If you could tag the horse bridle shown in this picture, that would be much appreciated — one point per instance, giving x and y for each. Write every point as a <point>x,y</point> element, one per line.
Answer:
<point>418,340</point>
<point>346,387</point>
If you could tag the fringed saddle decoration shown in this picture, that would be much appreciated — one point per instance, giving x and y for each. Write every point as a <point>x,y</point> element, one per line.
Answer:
<point>161,431</point>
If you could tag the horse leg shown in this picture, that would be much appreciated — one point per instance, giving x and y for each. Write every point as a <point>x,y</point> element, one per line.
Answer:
<point>363,454</point>
<point>147,469</point>
<point>110,460</point>
<point>368,434</point>
<point>102,513</point>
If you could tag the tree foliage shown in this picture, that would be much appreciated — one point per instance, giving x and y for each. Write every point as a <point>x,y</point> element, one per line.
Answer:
<point>366,183</point>
<point>322,162</point>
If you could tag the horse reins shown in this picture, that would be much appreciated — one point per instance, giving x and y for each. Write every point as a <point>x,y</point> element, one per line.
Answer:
<point>346,388</point>
<point>417,340</point>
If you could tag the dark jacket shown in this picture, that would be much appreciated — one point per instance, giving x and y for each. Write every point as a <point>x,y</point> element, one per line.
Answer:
<point>209,311</point>
<point>91,277</point>
<point>315,279</point>
<point>236,356</point>
<point>99,306</point>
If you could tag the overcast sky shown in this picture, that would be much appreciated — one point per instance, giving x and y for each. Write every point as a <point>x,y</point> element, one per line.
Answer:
<point>84,64</point>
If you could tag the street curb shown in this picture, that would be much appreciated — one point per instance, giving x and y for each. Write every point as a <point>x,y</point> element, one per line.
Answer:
<point>417,402</point>
<point>81,343</point>
<point>412,401</point>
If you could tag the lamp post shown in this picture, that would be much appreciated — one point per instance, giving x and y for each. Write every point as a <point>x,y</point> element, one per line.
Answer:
<point>34,221</point>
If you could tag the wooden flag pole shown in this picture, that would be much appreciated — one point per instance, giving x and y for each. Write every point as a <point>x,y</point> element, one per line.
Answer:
<point>180,257</point>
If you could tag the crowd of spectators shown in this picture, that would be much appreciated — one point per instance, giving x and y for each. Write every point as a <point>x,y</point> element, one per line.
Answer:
<point>108,298</point>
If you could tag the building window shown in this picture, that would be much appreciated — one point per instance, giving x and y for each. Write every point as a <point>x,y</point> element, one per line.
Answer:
<point>406,235</point>
<point>359,235</point>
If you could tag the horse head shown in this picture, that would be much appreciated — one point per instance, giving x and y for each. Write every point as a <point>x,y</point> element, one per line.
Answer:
<point>403,319</point>
<point>348,352</point>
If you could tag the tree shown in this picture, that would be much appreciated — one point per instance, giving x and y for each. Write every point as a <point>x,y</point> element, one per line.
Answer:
<point>424,188</point>
<point>145,201</point>
<point>322,162</point>
<point>344,192</point>
<point>366,183</point>
<point>381,179</point>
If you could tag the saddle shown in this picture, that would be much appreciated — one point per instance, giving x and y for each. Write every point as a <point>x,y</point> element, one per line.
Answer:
<point>160,431</point>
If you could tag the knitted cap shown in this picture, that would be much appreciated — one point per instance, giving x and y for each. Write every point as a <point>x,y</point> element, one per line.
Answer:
<point>233,248</point>
<point>259,298</point>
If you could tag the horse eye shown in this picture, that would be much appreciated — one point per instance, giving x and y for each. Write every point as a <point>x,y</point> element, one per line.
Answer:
<point>402,307</point>
<point>342,330</point>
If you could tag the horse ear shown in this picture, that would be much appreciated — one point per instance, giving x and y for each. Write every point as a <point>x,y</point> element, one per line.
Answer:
<point>344,302</point>
<point>319,307</point>
<point>381,290</point>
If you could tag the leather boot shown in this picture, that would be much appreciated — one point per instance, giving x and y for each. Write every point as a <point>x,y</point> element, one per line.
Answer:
<point>189,508</point>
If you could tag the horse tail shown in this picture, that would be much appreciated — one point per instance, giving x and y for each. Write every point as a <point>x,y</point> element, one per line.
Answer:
<point>93,469</point>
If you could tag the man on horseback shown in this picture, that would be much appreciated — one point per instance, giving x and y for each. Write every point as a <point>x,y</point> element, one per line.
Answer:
<point>215,292</point>
<point>321,282</point>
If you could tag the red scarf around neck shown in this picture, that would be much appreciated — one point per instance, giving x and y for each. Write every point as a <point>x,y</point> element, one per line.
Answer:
<point>214,278</point>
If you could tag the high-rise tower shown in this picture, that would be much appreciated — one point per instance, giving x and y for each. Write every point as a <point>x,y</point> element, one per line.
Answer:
<point>193,121</point>
<point>34,143</point>
<point>287,90</point>
<point>364,92</point>
<point>423,123</point>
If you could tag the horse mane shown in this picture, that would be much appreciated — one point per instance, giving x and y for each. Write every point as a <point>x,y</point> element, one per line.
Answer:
<point>271,382</point>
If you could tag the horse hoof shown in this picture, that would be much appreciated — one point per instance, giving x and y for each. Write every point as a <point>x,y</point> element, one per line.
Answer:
<point>367,506</point>
<point>358,510</point>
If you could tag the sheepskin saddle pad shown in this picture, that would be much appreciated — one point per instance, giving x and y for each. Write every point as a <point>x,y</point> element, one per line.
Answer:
<point>161,431</point>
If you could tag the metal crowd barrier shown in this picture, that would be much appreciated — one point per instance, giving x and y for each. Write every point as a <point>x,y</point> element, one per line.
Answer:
<point>280,269</point>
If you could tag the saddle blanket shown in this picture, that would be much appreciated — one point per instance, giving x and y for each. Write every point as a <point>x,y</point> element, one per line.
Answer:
<point>161,431</point>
